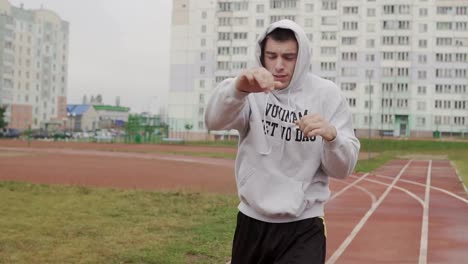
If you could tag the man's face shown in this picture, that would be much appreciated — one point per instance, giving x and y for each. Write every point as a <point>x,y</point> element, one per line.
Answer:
<point>280,59</point>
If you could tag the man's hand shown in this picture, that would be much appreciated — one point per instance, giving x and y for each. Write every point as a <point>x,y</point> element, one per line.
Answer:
<point>314,125</point>
<point>256,80</point>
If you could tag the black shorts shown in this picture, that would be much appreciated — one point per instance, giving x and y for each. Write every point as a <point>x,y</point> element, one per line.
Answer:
<point>257,242</point>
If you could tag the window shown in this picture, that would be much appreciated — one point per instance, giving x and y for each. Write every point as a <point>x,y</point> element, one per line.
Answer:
<point>367,119</point>
<point>444,41</point>
<point>328,35</point>
<point>349,71</point>
<point>329,4</point>
<point>421,106</point>
<point>329,20</point>
<point>369,89</point>
<point>202,69</point>
<point>349,56</point>
<point>370,43</point>
<point>388,9</point>
<point>350,25</point>
<point>349,40</point>
<point>444,10</point>
<point>348,86</point>
<point>259,23</point>
<point>370,57</point>
<point>327,66</point>
<point>203,42</point>
<point>422,12</point>
<point>260,8</point>
<point>203,14</point>
<point>309,7</point>
<point>351,102</point>
<point>422,59</point>
<point>371,12</point>
<point>444,25</point>
<point>347,10</point>
<point>328,51</point>
<point>202,84</point>
<point>421,90</point>
<point>202,56</point>
<point>421,121</point>
<point>423,43</point>
<point>422,28</point>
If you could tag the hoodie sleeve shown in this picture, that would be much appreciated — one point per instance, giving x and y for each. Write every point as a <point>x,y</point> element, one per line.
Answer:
<point>227,108</point>
<point>339,157</point>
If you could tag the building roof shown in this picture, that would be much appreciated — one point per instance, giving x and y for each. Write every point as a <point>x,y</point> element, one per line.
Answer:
<point>111,108</point>
<point>77,110</point>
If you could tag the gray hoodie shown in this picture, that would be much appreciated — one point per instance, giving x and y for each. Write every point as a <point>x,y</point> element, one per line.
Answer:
<point>281,175</point>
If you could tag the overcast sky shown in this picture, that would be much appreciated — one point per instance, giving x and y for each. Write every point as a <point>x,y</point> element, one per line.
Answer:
<point>117,48</point>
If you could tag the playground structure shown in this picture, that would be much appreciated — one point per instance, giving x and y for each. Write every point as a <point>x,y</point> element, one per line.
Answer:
<point>145,129</point>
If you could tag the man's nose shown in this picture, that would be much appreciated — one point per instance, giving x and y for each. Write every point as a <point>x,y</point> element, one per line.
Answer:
<point>279,64</point>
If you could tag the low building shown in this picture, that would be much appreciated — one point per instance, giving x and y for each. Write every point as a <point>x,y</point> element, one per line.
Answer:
<point>112,116</point>
<point>82,117</point>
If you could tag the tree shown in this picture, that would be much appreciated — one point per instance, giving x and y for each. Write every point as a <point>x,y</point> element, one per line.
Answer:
<point>3,122</point>
<point>188,126</point>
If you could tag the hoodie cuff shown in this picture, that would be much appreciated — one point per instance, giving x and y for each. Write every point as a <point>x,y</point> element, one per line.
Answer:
<point>335,143</point>
<point>233,92</point>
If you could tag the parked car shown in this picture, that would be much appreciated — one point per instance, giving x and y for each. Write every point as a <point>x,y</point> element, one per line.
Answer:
<point>40,134</point>
<point>61,135</point>
<point>10,133</point>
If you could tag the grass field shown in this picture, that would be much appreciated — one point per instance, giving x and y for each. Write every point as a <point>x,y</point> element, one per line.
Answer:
<point>59,224</point>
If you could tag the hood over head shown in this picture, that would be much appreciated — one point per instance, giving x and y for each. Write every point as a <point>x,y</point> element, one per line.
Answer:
<point>303,56</point>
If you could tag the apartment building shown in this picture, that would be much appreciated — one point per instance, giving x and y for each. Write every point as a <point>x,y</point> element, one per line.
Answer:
<point>401,64</point>
<point>33,66</point>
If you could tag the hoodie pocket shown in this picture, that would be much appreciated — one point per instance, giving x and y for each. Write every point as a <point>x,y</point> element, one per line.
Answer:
<point>271,194</point>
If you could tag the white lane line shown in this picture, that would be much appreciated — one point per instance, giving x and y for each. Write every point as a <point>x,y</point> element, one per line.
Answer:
<point>414,196</point>
<point>347,187</point>
<point>119,154</point>
<point>372,196</point>
<point>432,187</point>
<point>425,220</point>
<point>361,223</point>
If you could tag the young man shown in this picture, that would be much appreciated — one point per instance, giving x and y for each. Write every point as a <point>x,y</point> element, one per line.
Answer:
<point>295,131</point>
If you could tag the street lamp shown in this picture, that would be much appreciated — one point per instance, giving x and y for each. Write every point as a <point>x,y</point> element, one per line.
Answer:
<point>369,74</point>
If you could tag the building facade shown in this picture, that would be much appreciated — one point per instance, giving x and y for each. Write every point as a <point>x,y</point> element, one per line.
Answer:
<point>401,64</point>
<point>82,117</point>
<point>33,66</point>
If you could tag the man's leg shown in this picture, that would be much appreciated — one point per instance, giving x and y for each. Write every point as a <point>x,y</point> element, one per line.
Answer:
<point>307,243</point>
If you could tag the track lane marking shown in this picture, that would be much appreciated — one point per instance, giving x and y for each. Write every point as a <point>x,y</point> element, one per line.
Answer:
<point>425,220</point>
<point>414,196</point>
<point>361,223</point>
<point>348,186</point>
<point>432,187</point>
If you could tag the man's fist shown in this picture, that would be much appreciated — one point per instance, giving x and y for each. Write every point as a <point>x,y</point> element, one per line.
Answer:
<point>314,125</point>
<point>256,80</point>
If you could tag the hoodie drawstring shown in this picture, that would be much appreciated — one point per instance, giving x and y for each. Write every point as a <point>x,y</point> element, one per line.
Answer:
<point>265,153</point>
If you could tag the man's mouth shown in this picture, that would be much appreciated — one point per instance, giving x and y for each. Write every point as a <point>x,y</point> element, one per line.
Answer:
<point>280,77</point>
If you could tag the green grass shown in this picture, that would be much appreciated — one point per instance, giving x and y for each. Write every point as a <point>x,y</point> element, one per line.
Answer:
<point>58,224</point>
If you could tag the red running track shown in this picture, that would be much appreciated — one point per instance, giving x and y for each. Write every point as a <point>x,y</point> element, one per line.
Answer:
<point>404,212</point>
